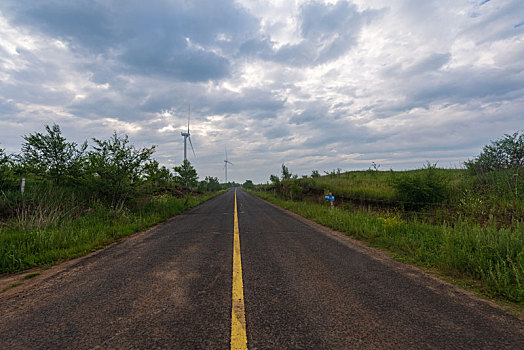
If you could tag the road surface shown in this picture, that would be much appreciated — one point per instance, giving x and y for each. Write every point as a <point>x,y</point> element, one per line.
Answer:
<point>301,287</point>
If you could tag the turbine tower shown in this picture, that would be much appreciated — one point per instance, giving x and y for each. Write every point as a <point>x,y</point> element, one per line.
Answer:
<point>187,135</point>
<point>226,161</point>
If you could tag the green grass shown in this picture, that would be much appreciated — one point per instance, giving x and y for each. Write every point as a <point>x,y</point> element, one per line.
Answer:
<point>492,255</point>
<point>32,275</point>
<point>24,246</point>
<point>439,195</point>
<point>371,185</point>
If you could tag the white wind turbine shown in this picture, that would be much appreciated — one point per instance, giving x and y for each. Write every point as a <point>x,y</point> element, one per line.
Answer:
<point>187,135</point>
<point>226,161</point>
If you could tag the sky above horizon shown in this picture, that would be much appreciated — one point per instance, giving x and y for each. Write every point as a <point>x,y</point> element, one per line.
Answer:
<point>312,84</point>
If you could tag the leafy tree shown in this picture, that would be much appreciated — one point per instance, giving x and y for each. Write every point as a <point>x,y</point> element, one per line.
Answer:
<point>286,174</point>
<point>213,183</point>
<point>248,184</point>
<point>114,165</point>
<point>187,175</point>
<point>275,180</point>
<point>507,152</point>
<point>156,175</point>
<point>52,156</point>
<point>6,171</point>
<point>209,184</point>
<point>295,190</point>
<point>315,173</point>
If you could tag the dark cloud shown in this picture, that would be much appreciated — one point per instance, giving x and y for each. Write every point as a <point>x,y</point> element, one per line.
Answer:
<point>177,39</point>
<point>462,85</point>
<point>313,112</point>
<point>263,102</point>
<point>327,32</point>
<point>277,132</point>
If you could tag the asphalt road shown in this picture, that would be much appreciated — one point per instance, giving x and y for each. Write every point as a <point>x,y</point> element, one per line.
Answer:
<point>305,287</point>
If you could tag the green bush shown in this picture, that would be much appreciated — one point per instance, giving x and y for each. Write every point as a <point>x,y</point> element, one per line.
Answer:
<point>421,189</point>
<point>7,178</point>
<point>507,152</point>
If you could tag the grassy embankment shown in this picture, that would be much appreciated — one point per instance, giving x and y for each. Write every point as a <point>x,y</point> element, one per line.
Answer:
<point>52,225</point>
<point>476,233</point>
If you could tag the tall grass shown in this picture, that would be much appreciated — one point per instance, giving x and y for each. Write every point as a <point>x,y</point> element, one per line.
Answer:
<point>492,255</point>
<point>49,227</point>
<point>41,206</point>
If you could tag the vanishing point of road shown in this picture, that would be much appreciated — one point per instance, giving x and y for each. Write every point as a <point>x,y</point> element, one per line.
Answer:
<point>237,272</point>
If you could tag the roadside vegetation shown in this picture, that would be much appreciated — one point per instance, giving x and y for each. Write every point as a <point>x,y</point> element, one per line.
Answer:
<point>60,200</point>
<point>466,223</point>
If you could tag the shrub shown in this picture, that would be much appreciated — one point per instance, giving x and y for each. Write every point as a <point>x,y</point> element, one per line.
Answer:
<point>422,188</point>
<point>7,179</point>
<point>114,164</point>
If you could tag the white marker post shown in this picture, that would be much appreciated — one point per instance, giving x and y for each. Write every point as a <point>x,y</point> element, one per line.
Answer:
<point>22,185</point>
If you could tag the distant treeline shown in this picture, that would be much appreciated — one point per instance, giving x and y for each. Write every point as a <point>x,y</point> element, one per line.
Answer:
<point>111,170</point>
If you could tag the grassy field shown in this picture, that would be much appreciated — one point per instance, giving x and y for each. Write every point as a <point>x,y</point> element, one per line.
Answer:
<point>372,185</point>
<point>439,195</point>
<point>50,228</point>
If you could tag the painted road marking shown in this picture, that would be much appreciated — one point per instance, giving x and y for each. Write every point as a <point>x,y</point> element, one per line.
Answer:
<point>238,316</point>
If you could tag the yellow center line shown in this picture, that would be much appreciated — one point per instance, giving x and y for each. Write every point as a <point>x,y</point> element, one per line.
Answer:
<point>238,316</point>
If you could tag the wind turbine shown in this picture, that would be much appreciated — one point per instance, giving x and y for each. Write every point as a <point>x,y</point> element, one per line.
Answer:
<point>225,164</point>
<point>187,135</point>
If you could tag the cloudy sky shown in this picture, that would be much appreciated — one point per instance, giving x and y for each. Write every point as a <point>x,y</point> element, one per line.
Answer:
<point>312,84</point>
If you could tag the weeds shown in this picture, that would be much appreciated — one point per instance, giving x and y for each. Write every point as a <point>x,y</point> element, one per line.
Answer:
<point>56,240</point>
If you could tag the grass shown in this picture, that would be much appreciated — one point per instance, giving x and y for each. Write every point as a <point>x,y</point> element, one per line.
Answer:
<point>490,254</point>
<point>32,275</point>
<point>31,239</point>
<point>370,185</point>
<point>436,194</point>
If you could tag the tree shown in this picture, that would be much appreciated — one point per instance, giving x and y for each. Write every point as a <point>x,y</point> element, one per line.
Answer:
<point>286,174</point>
<point>275,180</point>
<point>213,184</point>
<point>209,184</point>
<point>6,171</point>
<point>155,175</point>
<point>114,165</point>
<point>315,173</point>
<point>52,156</point>
<point>248,184</point>
<point>507,152</point>
<point>187,175</point>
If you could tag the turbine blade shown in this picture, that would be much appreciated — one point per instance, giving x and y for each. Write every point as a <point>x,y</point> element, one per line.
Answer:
<point>188,117</point>
<point>189,137</point>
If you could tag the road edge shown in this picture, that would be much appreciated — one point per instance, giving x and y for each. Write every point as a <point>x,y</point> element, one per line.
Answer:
<point>14,284</point>
<point>416,273</point>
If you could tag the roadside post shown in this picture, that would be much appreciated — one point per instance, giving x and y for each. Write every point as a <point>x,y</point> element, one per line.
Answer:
<point>22,185</point>
<point>331,198</point>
